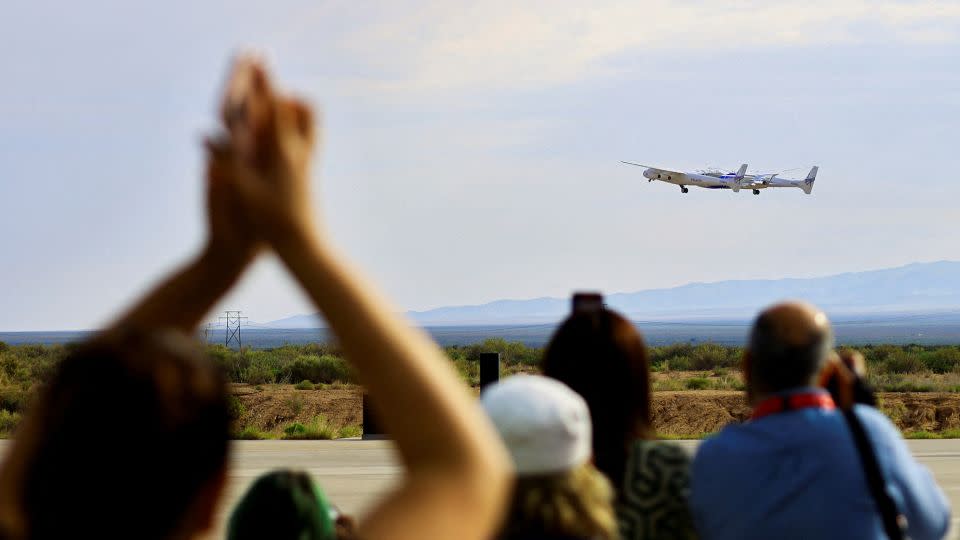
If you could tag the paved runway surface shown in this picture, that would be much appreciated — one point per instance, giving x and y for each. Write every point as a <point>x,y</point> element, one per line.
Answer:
<point>354,473</point>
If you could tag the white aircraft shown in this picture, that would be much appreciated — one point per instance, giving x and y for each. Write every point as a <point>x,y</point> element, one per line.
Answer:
<point>718,179</point>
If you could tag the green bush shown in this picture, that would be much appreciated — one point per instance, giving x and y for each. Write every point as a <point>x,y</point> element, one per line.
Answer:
<point>710,355</point>
<point>698,383</point>
<point>295,428</point>
<point>295,404</point>
<point>943,360</point>
<point>304,385</point>
<point>14,398</point>
<point>251,434</point>
<point>316,429</point>
<point>903,362</point>
<point>235,407</point>
<point>319,369</point>
<point>469,371</point>
<point>349,432</point>
<point>8,422</point>
<point>259,373</point>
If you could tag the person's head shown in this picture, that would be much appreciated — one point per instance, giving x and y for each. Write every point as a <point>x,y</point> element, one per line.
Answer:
<point>790,344</point>
<point>546,428</point>
<point>285,505</point>
<point>127,440</point>
<point>601,355</point>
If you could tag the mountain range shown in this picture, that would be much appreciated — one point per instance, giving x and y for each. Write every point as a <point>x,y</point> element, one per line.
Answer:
<point>914,288</point>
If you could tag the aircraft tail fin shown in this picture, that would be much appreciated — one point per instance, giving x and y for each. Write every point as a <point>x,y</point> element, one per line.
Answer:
<point>807,185</point>
<point>738,179</point>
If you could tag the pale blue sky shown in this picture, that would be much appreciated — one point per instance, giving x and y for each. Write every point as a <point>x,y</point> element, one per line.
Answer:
<point>472,152</point>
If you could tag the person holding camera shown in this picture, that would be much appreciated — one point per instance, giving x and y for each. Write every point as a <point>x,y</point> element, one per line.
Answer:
<point>810,463</point>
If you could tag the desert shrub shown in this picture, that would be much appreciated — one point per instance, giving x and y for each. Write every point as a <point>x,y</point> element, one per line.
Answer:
<point>511,352</point>
<point>14,398</point>
<point>698,383</point>
<point>294,403</point>
<point>8,422</point>
<point>469,371</point>
<point>304,385</point>
<point>235,407</point>
<point>250,434</point>
<point>318,428</point>
<point>668,385</point>
<point>942,360</point>
<point>678,363</point>
<point>295,428</point>
<point>258,373</point>
<point>710,355</point>
<point>320,369</point>
<point>665,354</point>
<point>233,364</point>
<point>903,362</point>
<point>348,432</point>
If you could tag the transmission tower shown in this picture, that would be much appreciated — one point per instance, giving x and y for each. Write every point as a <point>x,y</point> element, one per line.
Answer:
<point>232,322</point>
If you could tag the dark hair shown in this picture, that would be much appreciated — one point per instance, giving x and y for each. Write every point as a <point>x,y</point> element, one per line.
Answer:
<point>129,431</point>
<point>601,356</point>
<point>778,365</point>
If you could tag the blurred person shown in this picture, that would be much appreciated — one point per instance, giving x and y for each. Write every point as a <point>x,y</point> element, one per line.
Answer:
<point>558,494</point>
<point>457,473</point>
<point>159,467</point>
<point>160,472</point>
<point>798,469</point>
<point>287,505</point>
<point>601,355</point>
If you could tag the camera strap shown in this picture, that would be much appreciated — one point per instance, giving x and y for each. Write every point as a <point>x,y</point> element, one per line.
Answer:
<point>894,523</point>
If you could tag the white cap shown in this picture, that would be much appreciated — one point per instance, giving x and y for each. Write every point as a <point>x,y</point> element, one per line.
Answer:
<point>544,424</point>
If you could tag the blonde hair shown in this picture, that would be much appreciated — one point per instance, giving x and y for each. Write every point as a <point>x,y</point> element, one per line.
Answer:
<point>578,502</point>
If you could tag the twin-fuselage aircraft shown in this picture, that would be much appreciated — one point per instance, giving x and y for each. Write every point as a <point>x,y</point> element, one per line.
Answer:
<point>718,179</point>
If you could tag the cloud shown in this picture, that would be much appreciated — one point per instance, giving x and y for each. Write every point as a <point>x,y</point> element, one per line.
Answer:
<point>502,45</point>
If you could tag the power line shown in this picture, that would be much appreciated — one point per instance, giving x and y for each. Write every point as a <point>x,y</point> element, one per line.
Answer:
<point>232,322</point>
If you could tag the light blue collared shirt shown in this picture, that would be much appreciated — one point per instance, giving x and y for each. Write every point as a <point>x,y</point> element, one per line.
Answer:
<point>797,474</point>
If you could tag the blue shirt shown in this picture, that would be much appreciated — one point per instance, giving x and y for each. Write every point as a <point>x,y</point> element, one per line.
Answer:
<point>797,474</point>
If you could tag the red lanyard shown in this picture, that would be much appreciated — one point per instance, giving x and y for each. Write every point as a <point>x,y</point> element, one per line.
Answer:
<point>808,400</point>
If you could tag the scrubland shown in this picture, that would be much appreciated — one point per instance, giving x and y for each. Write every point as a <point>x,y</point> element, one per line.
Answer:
<point>310,392</point>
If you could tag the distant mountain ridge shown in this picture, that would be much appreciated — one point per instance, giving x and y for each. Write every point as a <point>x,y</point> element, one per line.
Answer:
<point>915,287</point>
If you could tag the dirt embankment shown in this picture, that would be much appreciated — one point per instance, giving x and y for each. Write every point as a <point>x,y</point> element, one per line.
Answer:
<point>271,408</point>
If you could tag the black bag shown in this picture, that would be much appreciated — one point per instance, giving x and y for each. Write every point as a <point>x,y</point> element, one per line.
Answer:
<point>894,523</point>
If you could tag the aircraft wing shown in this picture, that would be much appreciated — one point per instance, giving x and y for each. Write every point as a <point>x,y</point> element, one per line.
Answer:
<point>661,169</point>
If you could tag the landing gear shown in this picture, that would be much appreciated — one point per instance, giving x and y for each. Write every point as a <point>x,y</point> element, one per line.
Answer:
<point>683,189</point>
<point>756,192</point>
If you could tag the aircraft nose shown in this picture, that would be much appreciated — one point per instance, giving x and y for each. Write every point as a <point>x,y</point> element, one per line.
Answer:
<point>648,173</point>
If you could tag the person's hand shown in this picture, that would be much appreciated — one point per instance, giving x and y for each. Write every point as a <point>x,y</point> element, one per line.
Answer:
<point>268,157</point>
<point>232,240</point>
<point>842,372</point>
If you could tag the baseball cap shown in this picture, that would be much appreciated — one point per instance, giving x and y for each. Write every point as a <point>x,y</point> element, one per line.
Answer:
<point>543,423</point>
<point>283,504</point>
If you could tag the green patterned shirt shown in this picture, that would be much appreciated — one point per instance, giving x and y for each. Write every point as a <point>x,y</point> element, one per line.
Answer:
<point>655,490</point>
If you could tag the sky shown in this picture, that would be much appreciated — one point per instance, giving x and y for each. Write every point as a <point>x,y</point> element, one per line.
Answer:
<point>472,149</point>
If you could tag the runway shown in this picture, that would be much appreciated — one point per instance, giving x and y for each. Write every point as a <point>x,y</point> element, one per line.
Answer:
<point>355,473</point>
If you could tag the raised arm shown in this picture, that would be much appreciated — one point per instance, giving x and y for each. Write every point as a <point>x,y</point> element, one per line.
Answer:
<point>457,479</point>
<point>182,299</point>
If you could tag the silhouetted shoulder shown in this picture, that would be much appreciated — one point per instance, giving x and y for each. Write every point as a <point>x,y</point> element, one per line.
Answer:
<point>655,491</point>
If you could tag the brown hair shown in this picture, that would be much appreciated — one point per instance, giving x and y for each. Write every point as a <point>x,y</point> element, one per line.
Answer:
<point>123,439</point>
<point>601,356</point>
<point>576,503</point>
